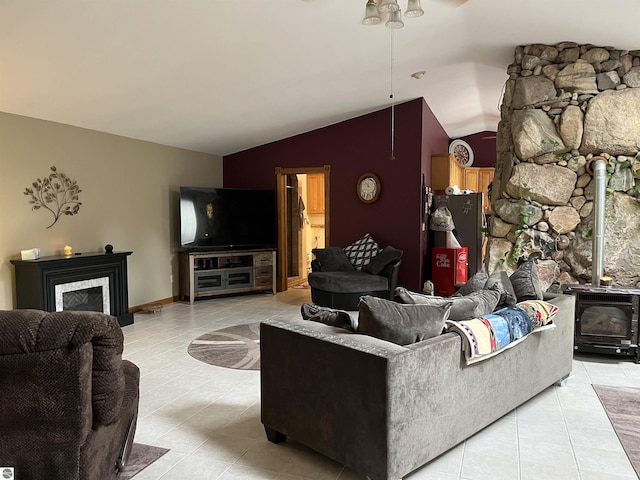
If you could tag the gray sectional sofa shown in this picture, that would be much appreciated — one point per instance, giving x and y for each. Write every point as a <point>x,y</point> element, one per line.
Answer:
<point>383,409</point>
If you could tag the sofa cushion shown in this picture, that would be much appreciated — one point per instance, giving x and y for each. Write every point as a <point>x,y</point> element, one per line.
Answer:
<point>361,251</point>
<point>476,304</point>
<point>500,281</point>
<point>348,282</point>
<point>332,259</point>
<point>400,323</point>
<point>475,283</point>
<point>378,263</point>
<point>526,283</point>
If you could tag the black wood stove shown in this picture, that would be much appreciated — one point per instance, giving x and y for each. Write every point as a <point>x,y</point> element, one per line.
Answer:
<point>606,320</point>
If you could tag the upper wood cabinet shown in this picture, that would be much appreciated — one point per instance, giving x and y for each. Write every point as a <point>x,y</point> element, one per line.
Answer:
<point>471,179</point>
<point>484,179</point>
<point>446,171</point>
<point>315,193</point>
<point>478,180</point>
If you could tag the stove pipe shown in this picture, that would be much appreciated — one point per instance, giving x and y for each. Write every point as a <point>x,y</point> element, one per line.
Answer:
<point>600,175</point>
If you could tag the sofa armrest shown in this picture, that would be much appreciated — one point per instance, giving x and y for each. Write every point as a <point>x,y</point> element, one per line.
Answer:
<point>391,272</point>
<point>317,383</point>
<point>33,331</point>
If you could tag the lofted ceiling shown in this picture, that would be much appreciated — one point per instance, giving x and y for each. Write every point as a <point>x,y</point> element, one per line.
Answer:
<point>223,76</point>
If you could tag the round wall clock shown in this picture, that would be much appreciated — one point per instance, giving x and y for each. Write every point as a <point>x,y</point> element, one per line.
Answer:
<point>368,187</point>
<point>462,152</point>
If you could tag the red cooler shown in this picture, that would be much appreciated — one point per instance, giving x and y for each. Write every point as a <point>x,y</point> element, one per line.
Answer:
<point>450,267</point>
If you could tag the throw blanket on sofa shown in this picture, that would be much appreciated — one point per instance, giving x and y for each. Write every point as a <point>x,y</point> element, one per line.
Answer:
<point>487,336</point>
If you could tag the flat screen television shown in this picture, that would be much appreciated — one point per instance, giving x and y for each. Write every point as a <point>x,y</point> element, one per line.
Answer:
<point>226,218</point>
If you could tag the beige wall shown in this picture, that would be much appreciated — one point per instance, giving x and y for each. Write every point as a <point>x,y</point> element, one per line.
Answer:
<point>129,199</point>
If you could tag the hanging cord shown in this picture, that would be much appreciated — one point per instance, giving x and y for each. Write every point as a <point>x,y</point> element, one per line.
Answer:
<point>393,110</point>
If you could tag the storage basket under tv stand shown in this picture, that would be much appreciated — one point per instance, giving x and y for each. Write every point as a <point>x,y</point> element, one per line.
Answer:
<point>222,272</point>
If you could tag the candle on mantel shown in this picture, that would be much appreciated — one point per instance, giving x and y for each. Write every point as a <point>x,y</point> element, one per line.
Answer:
<point>67,250</point>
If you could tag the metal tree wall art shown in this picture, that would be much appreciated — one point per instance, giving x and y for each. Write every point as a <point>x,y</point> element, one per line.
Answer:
<point>56,193</point>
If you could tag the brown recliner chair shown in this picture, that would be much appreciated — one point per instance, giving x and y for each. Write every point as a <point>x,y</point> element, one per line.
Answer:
<point>68,402</point>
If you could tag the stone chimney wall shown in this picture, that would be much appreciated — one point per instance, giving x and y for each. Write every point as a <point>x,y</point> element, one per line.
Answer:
<point>564,104</point>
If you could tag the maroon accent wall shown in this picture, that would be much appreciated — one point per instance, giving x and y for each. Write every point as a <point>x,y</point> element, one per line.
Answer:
<point>434,141</point>
<point>353,147</point>
<point>483,145</point>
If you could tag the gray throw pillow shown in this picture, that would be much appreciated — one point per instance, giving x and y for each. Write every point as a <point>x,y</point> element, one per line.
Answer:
<point>500,281</point>
<point>399,323</point>
<point>332,259</point>
<point>526,283</point>
<point>475,305</point>
<point>378,262</point>
<point>475,283</point>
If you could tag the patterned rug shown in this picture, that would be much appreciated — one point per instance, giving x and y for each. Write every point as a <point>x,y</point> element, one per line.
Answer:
<point>232,347</point>
<point>622,405</point>
<point>140,458</point>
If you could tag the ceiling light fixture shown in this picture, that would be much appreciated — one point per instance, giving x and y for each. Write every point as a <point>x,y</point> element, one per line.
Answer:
<point>375,10</point>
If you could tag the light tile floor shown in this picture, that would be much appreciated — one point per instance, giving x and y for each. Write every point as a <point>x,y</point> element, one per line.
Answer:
<point>210,416</point>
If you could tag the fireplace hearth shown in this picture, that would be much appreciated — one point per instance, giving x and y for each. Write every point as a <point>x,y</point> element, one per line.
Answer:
<point>606,320</point>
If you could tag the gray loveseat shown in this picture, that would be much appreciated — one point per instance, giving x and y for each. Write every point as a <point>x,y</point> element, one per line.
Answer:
<point>384,410</point>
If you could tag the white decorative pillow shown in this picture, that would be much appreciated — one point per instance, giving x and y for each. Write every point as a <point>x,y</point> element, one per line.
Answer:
<point>362,251</point>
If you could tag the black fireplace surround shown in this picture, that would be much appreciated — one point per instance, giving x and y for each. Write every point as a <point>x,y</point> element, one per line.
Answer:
<point>36,280</point>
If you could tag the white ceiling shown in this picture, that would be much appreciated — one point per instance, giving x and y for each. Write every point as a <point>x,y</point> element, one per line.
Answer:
<point>223,76</point>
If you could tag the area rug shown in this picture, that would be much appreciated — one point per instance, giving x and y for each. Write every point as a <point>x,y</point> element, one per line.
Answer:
<point>622,405</point>
<point>140,458</point>
<point>232,347</point>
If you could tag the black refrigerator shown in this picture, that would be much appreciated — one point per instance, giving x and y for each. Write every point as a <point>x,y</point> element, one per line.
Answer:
<point>469,220</point>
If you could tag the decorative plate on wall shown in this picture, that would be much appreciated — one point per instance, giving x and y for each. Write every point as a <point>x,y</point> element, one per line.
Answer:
<point>462,151</point>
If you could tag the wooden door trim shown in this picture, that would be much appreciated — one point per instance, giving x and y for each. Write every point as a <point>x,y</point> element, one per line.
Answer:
<point>281,185</point>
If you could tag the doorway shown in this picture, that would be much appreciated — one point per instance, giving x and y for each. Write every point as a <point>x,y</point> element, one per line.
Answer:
<point>303,213</point>
<point>297,224</point>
